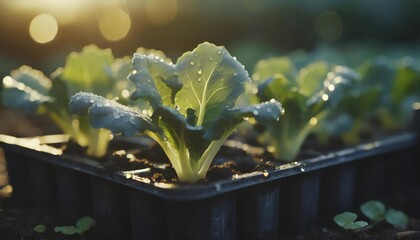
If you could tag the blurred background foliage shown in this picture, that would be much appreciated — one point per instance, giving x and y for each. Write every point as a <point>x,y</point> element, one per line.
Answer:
<point>40,33</point>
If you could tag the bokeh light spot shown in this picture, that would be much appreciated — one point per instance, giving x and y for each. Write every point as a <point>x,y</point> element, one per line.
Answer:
<point>161,12</point>
<point>114,25</point>
<point>329,26</point>
<point>43,28</point>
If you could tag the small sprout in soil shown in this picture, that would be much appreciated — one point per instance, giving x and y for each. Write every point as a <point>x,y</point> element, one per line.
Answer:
<point>39,228</point>
<point>347,220</point>
<point>82,225</point>
<point>374,210</point>
<point>377,212</point>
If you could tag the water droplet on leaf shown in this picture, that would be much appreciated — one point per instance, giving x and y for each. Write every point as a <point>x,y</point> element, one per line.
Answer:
<point>200,71</point>
<point>132,120</point>
<point>235,74</point>
<point>192,63</point>
<point>199,79</point>
<point>116,115</point>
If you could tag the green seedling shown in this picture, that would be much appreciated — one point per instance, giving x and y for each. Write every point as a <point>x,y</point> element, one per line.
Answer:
<point>192,106</point>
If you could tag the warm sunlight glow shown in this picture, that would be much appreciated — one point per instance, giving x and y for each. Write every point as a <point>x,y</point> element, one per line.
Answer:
<point>114,25</point>
<point>43,28</point>
<point>161,12</point>
<point>65,11</point>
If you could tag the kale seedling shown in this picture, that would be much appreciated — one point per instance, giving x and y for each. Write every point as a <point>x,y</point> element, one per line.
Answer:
<point>376,212</point>
<point>82,225</point>
<point>91,70</point>
<point>308,96</point>
<point>192,106</point>
<point>347,220</point>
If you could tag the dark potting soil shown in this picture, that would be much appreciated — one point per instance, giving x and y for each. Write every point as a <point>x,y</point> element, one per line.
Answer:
<point>230,161</point>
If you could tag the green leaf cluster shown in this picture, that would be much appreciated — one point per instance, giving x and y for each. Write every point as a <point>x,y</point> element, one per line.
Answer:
<point>376,212</point>
<point>308,94</point>
<point>388,86</point>
<point>347,220</point>
<point>191,106</point>
<point>92,69</point>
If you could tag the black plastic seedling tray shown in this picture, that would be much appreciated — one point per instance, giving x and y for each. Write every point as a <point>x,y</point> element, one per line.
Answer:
<point>291,198</point>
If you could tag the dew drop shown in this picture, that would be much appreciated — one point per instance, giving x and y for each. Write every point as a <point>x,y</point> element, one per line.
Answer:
<point>235,74</point>
<point>269,110</point>
<point>116,115</point>
<point>219,52</point>
<point>192,63</point>
<point>222,79</point>
<point>211,59</point>
<point>255,112</point>
<point>200,71</point>
<point>132,120</point>
<point>227,106</point>
<point>91,101</point>
<point>148,80</point>
<point>99,105</point>
<point>258,106</point>
<point>199,79</point>
<point>78,98</point>
<point>234,58</point>
<point>107,104</point>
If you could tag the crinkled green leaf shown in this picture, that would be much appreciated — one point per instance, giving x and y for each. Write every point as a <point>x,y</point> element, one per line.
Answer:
<point>407,81</point>
<point>121,68</point>
<point>81,102</point>
<point>335,87</point>
<point>276,86</point>
<point>396,218</point>
<point>266,68</point>
<point>212,81</point>
<point>104,113</point>
<point>177,130</point>
<point>264,112</point>
<point>90,70</point>
<point>374,210</point>
<point>26,89</point>
<point>310,78</point>
<point>154,79</point>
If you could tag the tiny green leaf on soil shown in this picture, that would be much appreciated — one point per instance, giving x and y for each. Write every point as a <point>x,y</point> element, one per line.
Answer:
<point>347,220</point>
<point>374,210</point>
<point>39,228</point>
<point>396,218</point>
